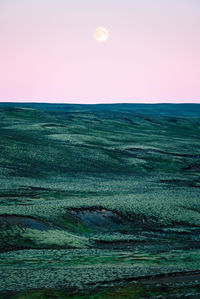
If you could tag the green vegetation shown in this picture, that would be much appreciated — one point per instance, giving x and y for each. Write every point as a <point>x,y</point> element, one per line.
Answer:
<point>94,195</point>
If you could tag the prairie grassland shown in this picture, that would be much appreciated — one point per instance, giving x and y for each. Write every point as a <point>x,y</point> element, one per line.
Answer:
<point>116,187</point>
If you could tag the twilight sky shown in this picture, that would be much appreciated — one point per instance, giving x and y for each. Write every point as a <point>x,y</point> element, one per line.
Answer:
<point>48,51</point>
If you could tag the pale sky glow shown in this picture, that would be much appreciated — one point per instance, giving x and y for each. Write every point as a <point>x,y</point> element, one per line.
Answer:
<point>48,51</point>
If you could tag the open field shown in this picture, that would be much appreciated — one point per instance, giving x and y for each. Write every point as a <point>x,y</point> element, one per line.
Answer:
<point>99,201</point>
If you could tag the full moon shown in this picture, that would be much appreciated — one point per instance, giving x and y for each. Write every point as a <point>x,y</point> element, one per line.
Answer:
<point>101,34</point>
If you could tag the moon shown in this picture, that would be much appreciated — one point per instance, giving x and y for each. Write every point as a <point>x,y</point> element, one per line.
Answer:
<point>101,34</point>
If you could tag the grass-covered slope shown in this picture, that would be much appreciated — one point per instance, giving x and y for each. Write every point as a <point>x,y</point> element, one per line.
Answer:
<point>98,177</point>
<point>38,143</point>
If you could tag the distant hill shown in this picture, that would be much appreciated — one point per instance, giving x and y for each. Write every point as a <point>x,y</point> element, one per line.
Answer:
<point>186,110</point>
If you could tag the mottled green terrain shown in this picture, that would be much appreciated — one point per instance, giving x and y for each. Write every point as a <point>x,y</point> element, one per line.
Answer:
<point>99,201</point>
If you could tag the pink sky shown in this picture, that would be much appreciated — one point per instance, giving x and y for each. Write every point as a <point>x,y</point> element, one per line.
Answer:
<point>48,52</point>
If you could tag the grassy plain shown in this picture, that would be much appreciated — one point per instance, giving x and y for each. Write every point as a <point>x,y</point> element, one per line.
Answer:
<point>98,196</point>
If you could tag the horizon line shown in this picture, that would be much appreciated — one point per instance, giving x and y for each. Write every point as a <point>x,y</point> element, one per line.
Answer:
<point>98,103</point>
